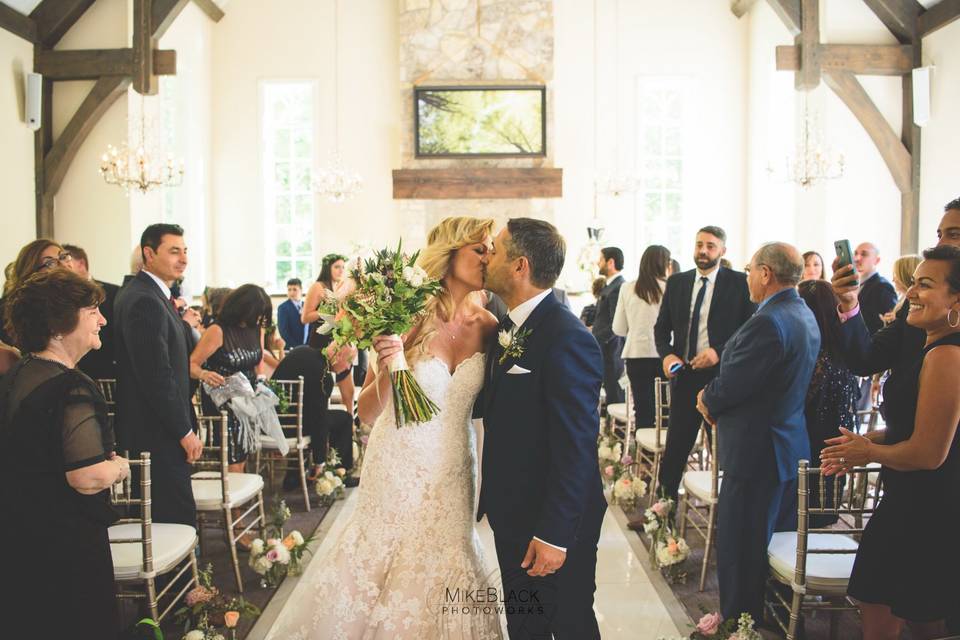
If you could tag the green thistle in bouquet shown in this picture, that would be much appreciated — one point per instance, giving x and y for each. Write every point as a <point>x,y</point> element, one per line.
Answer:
<point>391,295</point>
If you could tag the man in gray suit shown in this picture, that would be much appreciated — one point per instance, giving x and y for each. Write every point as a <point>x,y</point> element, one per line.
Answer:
<point>611,264</point>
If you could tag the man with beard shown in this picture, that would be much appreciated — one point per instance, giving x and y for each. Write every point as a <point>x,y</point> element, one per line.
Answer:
<point>611,264</point>
<point>700,310</point>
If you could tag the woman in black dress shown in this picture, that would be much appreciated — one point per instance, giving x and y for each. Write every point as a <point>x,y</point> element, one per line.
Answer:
<point>233,344</point>
<point>908,561</point>
<point>56,466</point>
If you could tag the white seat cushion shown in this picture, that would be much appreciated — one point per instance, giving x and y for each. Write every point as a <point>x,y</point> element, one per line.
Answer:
<point>697,484</point>
<point>826,573</point>
<point>207,489</point>
<point>647,439</point>
<point>618,411</point>
<point>266,442</point>
<point>171,544</point>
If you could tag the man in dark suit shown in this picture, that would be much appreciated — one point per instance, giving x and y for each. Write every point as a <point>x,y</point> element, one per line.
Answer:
<point>877,296</point>
<point>757,404</point>
<point>496,306</point>
<point>98,363</point>
<point>700,310</point>
<point>293,332</point>
<point>541,487</point>
<point>154,412</point>
<point>611,264</point>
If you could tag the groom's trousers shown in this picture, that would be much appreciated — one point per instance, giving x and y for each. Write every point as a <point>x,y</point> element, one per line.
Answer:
<point>556,606</point>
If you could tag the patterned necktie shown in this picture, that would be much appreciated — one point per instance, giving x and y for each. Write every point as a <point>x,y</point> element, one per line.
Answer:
<point>695,320</point>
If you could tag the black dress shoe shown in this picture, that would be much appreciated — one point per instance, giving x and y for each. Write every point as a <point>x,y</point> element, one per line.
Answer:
<point>350,481</point>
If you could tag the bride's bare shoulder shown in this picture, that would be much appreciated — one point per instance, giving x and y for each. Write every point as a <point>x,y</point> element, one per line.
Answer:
<point>485,321</point>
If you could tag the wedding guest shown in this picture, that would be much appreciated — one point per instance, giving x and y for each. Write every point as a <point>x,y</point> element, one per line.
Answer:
<point>700,310</point>
<point>98,363</point>
<point>136,264</point>
<point>36,255</point>
<point>726,264</point>
<point>903,268</point>
<point>813,266</point>
<point>154,408</point>
<point>636,314</point>
<point>8,357</point>
<point>212,300</point>
<point>589,312</point>
<point>877,295</point>
<point>920,456</point>
<point>611,264</point>
<point>756,403</point>
<point>233,344</point>
<point>833,391</point>
<point>674,265</point>
<point>274,349</point>
<point>293,332</point>
<point>57,463</point>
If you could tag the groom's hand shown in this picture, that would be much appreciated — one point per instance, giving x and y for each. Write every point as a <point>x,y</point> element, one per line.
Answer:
<point>542,559</point>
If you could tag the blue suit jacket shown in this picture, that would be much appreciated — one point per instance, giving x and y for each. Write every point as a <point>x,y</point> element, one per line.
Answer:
<point>540,471</point>
<point>758,397</point>
<point>289,325</point>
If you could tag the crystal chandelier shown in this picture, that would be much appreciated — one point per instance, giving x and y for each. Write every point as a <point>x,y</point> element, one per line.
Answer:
<point>617,184</point>
<point>140,166</point>
<point>334,181</point>
<point>814,161</point>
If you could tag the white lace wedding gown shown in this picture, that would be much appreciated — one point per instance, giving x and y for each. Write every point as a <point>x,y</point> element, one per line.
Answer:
<point>411,536</point>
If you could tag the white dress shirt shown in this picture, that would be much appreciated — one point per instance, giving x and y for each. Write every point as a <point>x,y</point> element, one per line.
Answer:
<point>703,338</point>
<point>519,315</point>
<point>160,283</point>
<point>634,319</point>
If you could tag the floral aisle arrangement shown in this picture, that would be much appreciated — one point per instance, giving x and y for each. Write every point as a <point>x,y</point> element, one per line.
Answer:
<point>667,549</point>
<point>391,294</point>
<point>329,483</point>
<point>710,627</point>
<point>627,489</point>
<point>276,558</point>
<point>207,609</point>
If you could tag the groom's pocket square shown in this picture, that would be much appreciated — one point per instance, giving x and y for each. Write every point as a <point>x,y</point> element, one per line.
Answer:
<point>517,370</point>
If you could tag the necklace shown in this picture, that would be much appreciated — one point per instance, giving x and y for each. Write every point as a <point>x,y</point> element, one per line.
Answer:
<point>49,359</point>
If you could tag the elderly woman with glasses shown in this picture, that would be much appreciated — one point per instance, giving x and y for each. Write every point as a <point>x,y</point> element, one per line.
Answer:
<point>35,256</point>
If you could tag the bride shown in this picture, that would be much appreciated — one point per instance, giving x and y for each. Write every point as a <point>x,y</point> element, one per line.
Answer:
<point>411,543</point>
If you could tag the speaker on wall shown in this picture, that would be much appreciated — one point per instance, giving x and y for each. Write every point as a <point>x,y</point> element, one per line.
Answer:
<point>921,95</point>
<point>34,99</point>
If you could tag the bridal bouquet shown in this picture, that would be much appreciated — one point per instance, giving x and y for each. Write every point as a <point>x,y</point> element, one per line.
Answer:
<point>391,294</point>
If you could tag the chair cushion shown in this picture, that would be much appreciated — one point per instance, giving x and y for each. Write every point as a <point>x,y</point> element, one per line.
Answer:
<point>171,544</point>
<point>266,442</point>
<point>647,439</point>
<point>618,411</point>
<point>207,489</point>
<point>826,573</point>
<point>697,484</point>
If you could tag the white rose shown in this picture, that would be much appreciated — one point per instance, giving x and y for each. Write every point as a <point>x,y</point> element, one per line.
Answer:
<point>283,555</point>
<point>639,488</point>
<point>262,565</point>
<point>623,489</point>
<point>617,451</point>
<point>603,452</point>
<point>329,475</point>
<point>414,275</point>
<point>196,634</point>
<point>256,547</point>
<point>297,538</point>
<point>651,525</point>
<point>337,482</point>
<point>324,487</point>
<point>504,338</point>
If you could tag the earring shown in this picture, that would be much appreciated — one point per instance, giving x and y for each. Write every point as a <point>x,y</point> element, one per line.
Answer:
<point>58,337</point>
<point>953,325</point>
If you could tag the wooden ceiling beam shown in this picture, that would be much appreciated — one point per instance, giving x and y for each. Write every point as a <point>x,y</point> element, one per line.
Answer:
<point>741,7</point>
<point>163,13</point>
<point>144,43</point>
<point>860,59</point>
<point>55,17</point>
<point>789,13</point>
<point>898,16</point>
<point>808,75</point>
<point>90,64</point>
<point>216,14</point>
<point>17,23</point>
<point>937,17</point>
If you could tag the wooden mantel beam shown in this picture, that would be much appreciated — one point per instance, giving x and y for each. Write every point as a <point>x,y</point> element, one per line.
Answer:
<point>898,16</point>
<point>55,17</point>
<point>90,64</point>
<point>938,16</point>
<point>861,59</point>
<point>17,23</point>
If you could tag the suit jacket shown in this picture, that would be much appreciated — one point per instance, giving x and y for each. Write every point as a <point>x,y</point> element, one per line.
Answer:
<point>730,307</point>
<point>289,325</point>
<point>498,307</point>
<point>877,296</point>
<point>606,309</point>
<point>540,474</point>
<point>154,410</point>
<point>102,363</point>
<point>896,345</point>
<point>758,396</point>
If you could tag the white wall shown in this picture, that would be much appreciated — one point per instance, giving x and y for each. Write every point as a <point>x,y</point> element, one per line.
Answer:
<point>16,176</point>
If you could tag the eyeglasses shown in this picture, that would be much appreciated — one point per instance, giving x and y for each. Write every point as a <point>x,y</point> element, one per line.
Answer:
<point>49,262</point>
<point>747,268</point>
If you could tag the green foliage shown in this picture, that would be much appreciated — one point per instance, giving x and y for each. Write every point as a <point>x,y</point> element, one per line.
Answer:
<point>481,121</point>
<point>283,401</point>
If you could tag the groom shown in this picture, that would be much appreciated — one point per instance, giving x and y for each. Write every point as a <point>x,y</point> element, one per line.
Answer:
<point>541,487</point>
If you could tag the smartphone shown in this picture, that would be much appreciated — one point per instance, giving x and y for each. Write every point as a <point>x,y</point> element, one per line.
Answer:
<point>844,254</point>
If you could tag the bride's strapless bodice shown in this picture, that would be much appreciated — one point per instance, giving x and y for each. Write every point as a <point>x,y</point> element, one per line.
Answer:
<point>453,392</point>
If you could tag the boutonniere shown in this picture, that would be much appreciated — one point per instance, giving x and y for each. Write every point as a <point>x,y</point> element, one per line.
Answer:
<point>513,343</point>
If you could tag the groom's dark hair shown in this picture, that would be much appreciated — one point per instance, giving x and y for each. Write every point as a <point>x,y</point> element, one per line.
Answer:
<point>543,247</point>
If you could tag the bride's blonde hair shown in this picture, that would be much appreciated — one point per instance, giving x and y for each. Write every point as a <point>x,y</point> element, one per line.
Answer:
<point>443,241</point>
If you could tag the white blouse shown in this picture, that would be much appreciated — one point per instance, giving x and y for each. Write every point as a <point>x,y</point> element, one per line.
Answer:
<point>634,319</point>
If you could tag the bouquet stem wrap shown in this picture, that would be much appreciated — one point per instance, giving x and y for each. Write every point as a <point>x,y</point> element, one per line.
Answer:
<point>410,403</point>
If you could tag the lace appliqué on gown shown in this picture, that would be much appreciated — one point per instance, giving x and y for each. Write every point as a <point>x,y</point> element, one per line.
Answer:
<point>411,542</point>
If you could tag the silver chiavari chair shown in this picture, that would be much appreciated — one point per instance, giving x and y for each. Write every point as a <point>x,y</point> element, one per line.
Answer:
<point>815,562</point>
<point>698,506</point>
<point>269,454</point>
<point>651,441</point>
<point>142,549</point>
<point>220,491</point>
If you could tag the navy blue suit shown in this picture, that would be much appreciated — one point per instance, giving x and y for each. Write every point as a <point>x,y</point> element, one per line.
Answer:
<point>758,400</point>
<point>289,325</point>
<point>540,472</point>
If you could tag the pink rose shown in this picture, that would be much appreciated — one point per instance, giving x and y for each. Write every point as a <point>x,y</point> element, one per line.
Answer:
<point>364,439</point>
<point>626,459</point>
<point>608,470</point>
<point>272,555</point>
<point>661,508</point>
<point>709,624</point>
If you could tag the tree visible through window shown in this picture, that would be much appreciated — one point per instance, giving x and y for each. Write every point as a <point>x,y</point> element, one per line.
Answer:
<point>289,201</point>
